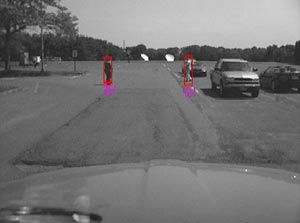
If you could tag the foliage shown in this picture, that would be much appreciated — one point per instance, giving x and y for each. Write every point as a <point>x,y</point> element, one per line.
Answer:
<point>17,15</point>
<point>297,52</point>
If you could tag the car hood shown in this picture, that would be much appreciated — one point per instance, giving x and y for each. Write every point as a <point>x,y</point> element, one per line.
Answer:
<point>164,191</point>
<point>240,74</point>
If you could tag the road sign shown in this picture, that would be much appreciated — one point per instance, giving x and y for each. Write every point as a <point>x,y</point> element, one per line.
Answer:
<point>74,53</point>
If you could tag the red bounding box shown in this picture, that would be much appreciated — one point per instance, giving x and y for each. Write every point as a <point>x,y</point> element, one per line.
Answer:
<point>190,82</point>
<point>107,70</point>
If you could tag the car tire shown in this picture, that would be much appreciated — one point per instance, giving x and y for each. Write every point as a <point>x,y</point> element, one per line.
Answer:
<point>274,86</point>
<point>255,92</point>
<point>222,90</point>
<point>213,86</point>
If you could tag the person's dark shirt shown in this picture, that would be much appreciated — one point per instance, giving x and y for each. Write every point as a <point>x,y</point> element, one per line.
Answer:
<point>107,70</point>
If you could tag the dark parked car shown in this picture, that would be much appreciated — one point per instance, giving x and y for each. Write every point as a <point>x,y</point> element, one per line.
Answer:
<point>280,77</point>
<point>199,69</point>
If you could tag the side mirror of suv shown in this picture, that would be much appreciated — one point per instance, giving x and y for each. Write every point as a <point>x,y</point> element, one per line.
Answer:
<point>255,69</point>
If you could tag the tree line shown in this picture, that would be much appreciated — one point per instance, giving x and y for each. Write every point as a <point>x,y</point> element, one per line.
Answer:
<point>59,36</point>
<point>57,45</point>
<point>286,53</point>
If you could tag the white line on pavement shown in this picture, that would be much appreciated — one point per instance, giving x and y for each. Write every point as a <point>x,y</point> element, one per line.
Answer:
<point>176,75</point>
<point>280,97</point>
<point>267,96</point>
<point>73,77</point>
<point>293,99</point>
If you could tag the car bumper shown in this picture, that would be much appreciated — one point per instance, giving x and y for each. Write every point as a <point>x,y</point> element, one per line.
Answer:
<point>232,85</point>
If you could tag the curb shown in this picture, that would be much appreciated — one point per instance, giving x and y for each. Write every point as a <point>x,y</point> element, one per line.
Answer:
<point>11,91</point>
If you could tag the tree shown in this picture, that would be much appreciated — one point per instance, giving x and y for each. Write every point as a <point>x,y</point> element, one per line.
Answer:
<point>297,52</point>
<point>174,51</point>
<point>17,15</point>
<point>61,22</point>
<point>136,51</point>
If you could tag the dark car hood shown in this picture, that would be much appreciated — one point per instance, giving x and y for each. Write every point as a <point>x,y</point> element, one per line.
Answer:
<point>164,191</point>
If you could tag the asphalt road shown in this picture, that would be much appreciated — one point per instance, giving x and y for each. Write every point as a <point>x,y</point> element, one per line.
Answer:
<point>59,121</point>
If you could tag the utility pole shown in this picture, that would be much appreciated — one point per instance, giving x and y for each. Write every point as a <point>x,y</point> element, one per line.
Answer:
<point>42,59</point>
<point>42,39</point>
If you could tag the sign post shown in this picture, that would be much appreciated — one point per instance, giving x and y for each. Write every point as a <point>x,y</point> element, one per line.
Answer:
<point>74,55</point>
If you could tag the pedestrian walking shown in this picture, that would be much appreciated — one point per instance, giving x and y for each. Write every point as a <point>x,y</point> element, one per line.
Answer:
<point>107,70</point>
<point>188,70</point>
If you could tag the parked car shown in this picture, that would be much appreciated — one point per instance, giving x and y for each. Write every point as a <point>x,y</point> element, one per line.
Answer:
<point>199,69</point>
<point>234,73</point>
<point>280,77</point>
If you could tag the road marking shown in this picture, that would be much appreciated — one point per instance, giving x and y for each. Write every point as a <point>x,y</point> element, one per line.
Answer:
<point>73,77</point>
<point>293,99</point>
<point>163,64</point>
<point>273,98</point>
<point>37,84</point>
<point>169,69</point>
<point>268,96</point>
<point>176,74</point>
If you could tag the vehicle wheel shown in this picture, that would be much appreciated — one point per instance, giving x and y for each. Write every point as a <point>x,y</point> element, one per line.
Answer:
<point>255,92</point>
<point>213,86</point>
<point>222,90</point>
<point>274,87</point>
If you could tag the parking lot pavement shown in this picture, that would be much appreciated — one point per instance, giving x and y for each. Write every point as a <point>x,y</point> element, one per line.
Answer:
<point>58,122</point>
<point>264,129</point>
<point>41,105</point>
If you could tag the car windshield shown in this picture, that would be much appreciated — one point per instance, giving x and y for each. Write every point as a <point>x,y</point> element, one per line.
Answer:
<point>290,69</point>
<point>235,66</point>
<point>123,106</point>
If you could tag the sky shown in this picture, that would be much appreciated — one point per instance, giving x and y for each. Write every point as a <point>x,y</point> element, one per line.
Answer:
<point>171,23</point>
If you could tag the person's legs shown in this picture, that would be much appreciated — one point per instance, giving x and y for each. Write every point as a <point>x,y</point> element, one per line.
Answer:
<point>189,75</point>
<point>107,76</point>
